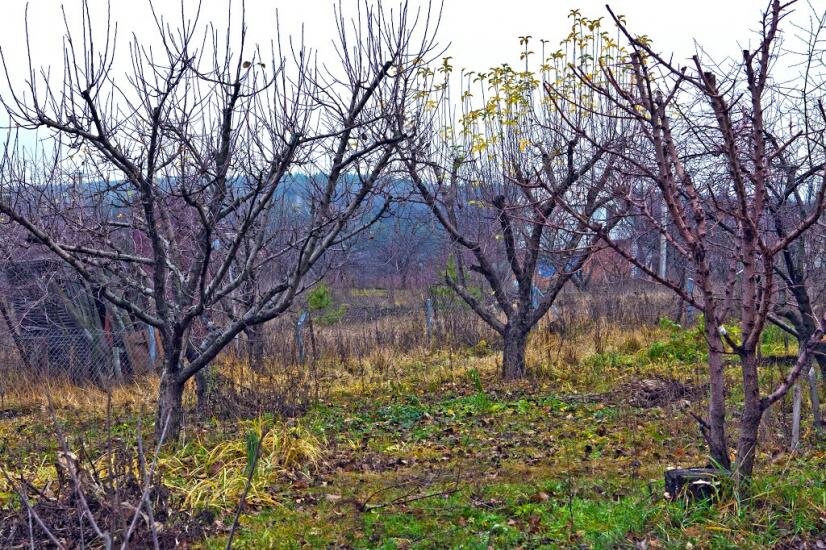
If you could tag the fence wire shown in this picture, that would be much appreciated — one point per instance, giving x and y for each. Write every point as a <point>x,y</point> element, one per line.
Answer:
<point>54,325</point>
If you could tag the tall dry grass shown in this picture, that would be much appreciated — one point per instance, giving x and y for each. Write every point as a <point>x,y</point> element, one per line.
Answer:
<point>381,337</point>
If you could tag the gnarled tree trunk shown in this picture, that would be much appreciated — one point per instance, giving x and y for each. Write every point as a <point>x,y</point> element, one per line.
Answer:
<point>170,411</point>
<point>515,341</point>
<point>750,422</point>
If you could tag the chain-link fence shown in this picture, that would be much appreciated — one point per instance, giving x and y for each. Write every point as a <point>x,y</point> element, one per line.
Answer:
<point>53,324</point>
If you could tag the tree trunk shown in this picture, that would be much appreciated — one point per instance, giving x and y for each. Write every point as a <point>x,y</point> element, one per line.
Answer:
<point>821,362</point>
<point>804,326</point>
<point>255,347</point>
<point>804,319</point>
<point>750,423</point>
<point>170,412</point>
<point>203,388</point>
<point>513,356</point>
<point>717,440</point>
<point>203,381</point>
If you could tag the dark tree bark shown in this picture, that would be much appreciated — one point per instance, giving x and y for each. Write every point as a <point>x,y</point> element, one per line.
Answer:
<point>255,347</point>
<point>515,340</point>
<point>169,414</point>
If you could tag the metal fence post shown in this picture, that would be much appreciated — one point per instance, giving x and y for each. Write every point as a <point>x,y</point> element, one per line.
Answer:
<point>689,309</point>
<point>153,351</point>
<point>299,336</point>
<point>116,370</point>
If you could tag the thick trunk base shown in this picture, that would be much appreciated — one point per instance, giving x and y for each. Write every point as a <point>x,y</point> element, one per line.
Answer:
<point>750,423</point>
<point>747,446</point>
<point>513,356</point>
<point>170,412</point>
<point>715,432</point>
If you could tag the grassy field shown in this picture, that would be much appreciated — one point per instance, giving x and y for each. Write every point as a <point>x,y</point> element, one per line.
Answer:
<point>431,450</point>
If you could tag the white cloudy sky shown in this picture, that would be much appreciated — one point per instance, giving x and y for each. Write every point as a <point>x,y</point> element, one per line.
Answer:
<point>482,33</point>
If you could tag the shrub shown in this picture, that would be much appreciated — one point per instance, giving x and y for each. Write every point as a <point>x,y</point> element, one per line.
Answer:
<point>320,302</point>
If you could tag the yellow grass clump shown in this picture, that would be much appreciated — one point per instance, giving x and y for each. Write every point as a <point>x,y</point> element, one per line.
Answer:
<point>214,475</point>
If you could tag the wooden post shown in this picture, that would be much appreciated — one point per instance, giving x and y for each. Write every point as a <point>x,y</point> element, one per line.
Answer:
<point>815,399</point>
<point>796,404</point>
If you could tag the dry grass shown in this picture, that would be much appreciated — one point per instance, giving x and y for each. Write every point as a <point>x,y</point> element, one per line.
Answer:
<point>213,475</point>
<point>25,393</point>
<point>357,356</point>
<point>573,419</point>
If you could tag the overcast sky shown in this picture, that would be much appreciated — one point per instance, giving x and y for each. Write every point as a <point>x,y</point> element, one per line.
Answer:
<point>481,33</point>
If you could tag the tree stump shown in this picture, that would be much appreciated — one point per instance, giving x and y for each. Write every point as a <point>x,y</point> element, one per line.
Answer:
<point>692,483</point>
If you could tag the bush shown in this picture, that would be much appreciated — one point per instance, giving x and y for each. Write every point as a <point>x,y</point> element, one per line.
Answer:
<point>320,302</point>
<point>319,298</point>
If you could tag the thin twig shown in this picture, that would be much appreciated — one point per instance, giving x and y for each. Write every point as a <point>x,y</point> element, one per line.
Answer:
<point>144,500</point>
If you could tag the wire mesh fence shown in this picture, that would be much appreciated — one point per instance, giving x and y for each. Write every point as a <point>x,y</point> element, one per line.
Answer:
<point>55,325</point>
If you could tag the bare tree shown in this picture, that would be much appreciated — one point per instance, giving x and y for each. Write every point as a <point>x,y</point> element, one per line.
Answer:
<point>702,149</point>
<point>207,166</point>
<point>494,180</point>
<point>799,164</point>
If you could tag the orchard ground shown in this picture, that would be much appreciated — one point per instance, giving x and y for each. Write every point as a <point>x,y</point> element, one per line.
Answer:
<point>430,450</point>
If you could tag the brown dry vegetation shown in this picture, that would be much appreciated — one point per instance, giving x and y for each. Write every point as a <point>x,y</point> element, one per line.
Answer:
<point>423,449</point>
